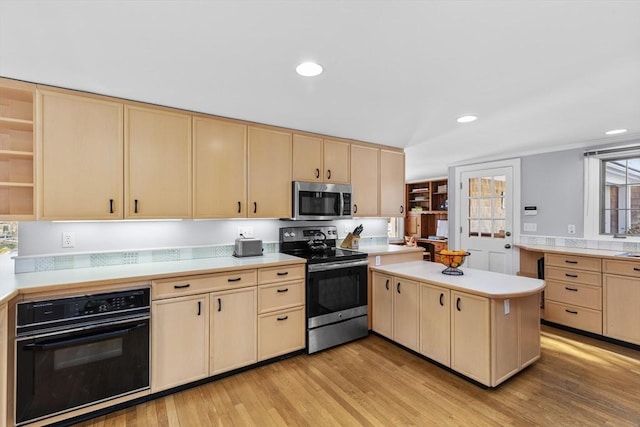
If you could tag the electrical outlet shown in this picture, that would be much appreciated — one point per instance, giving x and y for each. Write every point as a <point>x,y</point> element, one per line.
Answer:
<point>530,226</point>
<point>571,229</point>
<point>245,231</point>
<point>347,228</point>
<point>68,239</point>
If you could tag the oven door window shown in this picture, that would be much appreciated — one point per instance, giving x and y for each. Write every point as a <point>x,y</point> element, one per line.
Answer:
<point>336,290</point>
<point>319,203</point>
<point>66,371</point>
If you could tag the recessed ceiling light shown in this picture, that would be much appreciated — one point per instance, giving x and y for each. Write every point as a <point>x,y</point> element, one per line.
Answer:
<point>309,69</point>
<point>467,119</point>
<point>615,131</point>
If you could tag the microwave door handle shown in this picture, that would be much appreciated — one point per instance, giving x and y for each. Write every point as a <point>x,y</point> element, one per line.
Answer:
<point>51,345</point>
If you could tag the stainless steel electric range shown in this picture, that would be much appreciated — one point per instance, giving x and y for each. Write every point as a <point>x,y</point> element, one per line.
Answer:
<point>336,285</point>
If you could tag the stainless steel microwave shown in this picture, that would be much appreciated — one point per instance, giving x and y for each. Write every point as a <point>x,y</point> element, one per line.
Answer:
<point>320,201</point>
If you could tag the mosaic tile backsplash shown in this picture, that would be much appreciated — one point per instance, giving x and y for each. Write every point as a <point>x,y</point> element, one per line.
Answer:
<point>621,246</point>
<point>60,262</point>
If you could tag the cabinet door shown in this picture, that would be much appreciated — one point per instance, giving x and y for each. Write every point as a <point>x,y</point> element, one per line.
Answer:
<point>435,323</point>
<point>220,169</point>
<point>281,332</point>
<point>3,362</point>
<point>470,339</point>
<point>382,312</point>
<point>82,157</point>
<point>269,173</point>
<point>405,313</point>
<point>412,225</point>
<point>622,308</point>
<point>180,341</point>
<point>391,183</point>
<point>157,163</point>
<point>233,330</point>
<point>307,159</point>
<point>364,180</point>
<point>336,162</point>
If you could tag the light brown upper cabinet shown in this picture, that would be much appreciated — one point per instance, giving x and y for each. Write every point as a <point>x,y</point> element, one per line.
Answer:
<point>220,168</point>
<point>81,165</point>
<point>364,180</point>
<point>391,183</point>
<point>157,163</point>
<point>270,176</point>
<point>320,160</point>
<point>16,150</point>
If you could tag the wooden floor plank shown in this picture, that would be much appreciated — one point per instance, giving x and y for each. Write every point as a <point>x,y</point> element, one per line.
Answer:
<point>577,381</point>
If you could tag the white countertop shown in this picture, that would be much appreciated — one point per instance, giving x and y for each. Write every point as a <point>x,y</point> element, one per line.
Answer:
<point>603,253</point>
<point>11,284</point>
<point>478,282</point>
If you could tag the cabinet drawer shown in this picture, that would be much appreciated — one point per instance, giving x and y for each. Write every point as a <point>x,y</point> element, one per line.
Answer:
<point>573,316</point>
<point>574,294</point>
<point>623,268</point>
<point>280,274</point>
<point>279,296</point>
<point>280,333</point>
<point>190,285</point>
<point>573,261</point>
<point>574,276</point>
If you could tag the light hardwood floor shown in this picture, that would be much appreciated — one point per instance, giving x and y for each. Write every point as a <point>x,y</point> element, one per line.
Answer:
<point>578,381</point>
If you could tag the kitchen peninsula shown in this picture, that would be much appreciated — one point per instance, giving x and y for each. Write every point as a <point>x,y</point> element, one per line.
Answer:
<point>483,325</point>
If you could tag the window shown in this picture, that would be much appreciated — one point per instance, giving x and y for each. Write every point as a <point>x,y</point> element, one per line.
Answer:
<point>8,238</point>
<point>620,196</point>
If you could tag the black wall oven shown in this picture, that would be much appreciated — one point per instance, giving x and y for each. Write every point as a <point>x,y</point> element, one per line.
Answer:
<point>73,352</point>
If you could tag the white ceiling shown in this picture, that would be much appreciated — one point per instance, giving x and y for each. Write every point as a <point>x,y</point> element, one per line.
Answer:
<point>541,75</point>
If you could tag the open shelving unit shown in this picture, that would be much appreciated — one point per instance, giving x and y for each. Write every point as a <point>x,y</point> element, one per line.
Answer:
<point>424,202</point>
<point>16,150</point>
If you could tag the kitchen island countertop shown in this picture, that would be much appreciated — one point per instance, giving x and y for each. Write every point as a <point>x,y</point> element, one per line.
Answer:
<point>12,284</point>
<point>478,282</point>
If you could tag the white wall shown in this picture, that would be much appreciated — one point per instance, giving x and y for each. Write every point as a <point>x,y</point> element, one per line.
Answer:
<point>45,238</point>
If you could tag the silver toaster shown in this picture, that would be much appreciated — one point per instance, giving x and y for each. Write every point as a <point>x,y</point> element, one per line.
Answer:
<point>247,247</point>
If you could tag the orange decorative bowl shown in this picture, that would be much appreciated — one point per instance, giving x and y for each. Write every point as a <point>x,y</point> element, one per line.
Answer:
<point>452,260</point>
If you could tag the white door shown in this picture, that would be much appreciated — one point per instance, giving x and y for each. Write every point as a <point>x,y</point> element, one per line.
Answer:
<point>486,218</point>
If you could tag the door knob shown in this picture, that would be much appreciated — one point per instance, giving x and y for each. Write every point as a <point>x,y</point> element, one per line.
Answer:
<point>508,233</point>
<point>507,246</point>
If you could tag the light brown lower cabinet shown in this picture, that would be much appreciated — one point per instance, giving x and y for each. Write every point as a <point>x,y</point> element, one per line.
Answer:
<point>233,330</point>
<point>280,332</point>
<point>471,336</point>
<point>622,308</point>
<point>485,339</point>
<point>3,362</point>
<point>180,341</point>
<point>435,323</point>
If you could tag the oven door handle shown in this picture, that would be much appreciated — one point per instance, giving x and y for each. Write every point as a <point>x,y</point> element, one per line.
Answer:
<point>336,265</point>
<point>52,345</point>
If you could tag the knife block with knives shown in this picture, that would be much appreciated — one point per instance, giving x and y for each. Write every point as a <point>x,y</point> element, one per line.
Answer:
<point>352,239</point>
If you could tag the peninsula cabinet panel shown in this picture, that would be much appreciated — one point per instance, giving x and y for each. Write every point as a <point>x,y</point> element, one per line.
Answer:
<point>220,168</point>
<point>180,341</point>
<point>622,308</point>
<point>505,361</point>
<point>382,290</point>
<point>365,177</point>
<point>471,336</point>
<point>270,154</point>
<point>233,326</point>
<point>391,184</point>
<point>81,144</point>
<point>3,362</point>
<point>435,323</point>
<point>157,163</point>
<point>406,304</point>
